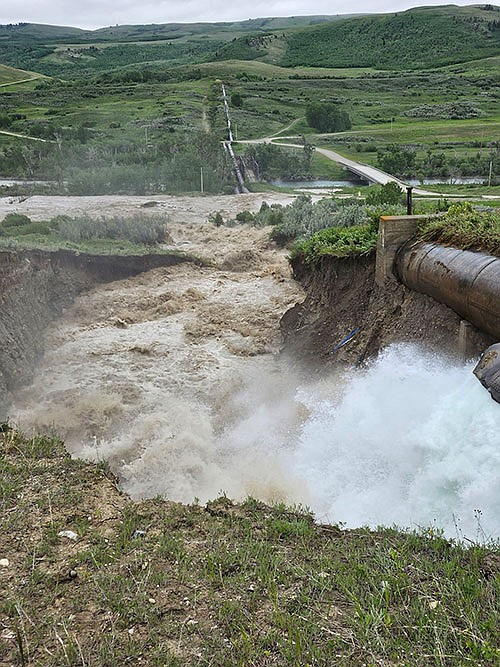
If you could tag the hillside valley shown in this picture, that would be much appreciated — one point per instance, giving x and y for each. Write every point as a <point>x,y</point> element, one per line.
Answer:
<point>224,438</point>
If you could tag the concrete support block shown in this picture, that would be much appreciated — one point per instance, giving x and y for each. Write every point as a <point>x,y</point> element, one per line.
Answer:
<point>393,231</point>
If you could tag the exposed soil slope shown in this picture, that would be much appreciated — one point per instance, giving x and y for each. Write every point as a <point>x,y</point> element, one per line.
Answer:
<point>342,296</point>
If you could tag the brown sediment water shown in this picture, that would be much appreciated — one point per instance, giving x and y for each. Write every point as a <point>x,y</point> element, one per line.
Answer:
<point>173,377</point>
<point>149,372</point>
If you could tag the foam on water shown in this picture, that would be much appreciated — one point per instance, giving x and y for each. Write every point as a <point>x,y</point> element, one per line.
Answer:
<point>414,441</point>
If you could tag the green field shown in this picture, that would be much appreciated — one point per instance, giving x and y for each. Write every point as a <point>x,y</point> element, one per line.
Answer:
<point>135,98</point>
<point>11,75</point>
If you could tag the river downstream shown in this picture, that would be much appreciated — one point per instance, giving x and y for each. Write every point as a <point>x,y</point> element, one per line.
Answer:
<point>173,377</point>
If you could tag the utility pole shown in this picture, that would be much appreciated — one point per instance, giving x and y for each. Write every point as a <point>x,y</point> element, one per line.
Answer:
<point>201,179</point>
<point>409,202</point>
<point>491,170</point>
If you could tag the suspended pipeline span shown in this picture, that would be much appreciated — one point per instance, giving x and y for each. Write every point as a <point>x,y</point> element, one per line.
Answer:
<point>468,282</point>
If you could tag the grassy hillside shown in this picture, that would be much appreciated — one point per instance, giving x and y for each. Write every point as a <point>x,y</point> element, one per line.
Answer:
<point>415,39</point>
<point>418,38</point>
<point>126,114</point>
<point>90,578</point>
<point>69,52</point>
<point>10,75</point>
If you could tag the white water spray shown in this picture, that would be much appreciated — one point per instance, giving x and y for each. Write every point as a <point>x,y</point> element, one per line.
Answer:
<point>413,441</point>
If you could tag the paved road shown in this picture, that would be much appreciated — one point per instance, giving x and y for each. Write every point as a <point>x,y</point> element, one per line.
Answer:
<point>366,171</point>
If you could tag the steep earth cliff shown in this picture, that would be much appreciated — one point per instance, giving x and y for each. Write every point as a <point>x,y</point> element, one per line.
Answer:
<point>342,296</point>
<point>35,287</point>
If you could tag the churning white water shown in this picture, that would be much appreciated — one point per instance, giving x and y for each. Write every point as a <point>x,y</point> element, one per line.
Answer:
<point>413,440</point>
<point>171,376</point>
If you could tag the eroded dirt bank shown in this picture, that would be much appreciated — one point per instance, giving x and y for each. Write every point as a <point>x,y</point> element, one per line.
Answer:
<point>342,296</point>
<point>36,286</point>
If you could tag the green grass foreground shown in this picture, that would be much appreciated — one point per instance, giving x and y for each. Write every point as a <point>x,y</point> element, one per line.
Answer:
<point>159,583</point>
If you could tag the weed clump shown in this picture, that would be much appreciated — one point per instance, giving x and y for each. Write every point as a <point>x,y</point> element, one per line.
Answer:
<point>336,242</point>
<point>146,230</point>
<point>465,227</point>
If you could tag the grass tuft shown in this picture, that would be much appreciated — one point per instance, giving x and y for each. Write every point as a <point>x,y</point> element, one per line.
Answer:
<point>465,227</point>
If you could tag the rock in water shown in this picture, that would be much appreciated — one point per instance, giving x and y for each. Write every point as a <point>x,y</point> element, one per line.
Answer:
<point>487,371</point>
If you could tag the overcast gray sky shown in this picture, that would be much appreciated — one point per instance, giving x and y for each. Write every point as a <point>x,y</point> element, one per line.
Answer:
<point>101,13</point>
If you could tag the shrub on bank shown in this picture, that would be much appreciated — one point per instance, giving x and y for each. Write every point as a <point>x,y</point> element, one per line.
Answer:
<point>141,229</point>
<point>18,224</point>
<point>147,230</point>
<point>15,220</point>
<point>465,227</point>
<point>337,242</point>
<point>302,218</point>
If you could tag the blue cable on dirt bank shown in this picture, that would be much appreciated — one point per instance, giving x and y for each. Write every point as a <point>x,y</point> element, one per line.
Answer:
<point>346,340</point>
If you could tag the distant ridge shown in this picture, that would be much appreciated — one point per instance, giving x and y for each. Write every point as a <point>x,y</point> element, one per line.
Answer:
<point>40,31</point>
<point>420,38</point>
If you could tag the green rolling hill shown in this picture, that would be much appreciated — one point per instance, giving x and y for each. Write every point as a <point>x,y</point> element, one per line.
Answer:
<point>415,39</point>
<point>10,75</point>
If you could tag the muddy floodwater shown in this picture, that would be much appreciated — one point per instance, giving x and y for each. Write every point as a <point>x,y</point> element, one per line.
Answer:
<point>174,377</point>
<point>150,372</point>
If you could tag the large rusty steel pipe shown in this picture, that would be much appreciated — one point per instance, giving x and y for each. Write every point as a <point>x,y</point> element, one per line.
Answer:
<point>468,282</point>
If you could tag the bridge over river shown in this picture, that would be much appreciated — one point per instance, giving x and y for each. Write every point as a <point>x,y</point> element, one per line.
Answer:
<point>371,174</point>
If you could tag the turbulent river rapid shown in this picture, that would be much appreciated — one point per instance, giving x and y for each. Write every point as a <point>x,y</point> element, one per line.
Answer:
<point>173,377</point>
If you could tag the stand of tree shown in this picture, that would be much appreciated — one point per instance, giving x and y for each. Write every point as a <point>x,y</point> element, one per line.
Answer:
<point>327,117</point>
